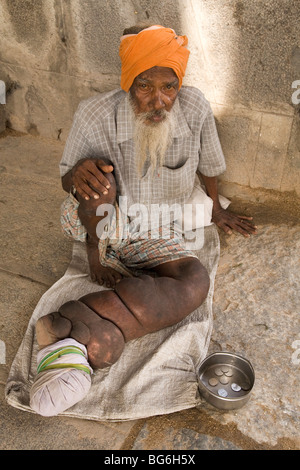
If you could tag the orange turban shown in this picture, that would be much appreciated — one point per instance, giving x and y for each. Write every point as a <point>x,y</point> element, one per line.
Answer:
<point>154,46</point>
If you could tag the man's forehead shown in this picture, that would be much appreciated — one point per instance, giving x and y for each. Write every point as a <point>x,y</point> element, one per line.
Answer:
<point>163,73</point>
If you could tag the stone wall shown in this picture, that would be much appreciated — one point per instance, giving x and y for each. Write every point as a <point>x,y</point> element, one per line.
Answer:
<point>245,57</point>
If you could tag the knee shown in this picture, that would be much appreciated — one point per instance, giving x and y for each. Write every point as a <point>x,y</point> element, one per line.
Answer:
<point>90,206</point>
<point>194,279</point>
<point>198,281</point>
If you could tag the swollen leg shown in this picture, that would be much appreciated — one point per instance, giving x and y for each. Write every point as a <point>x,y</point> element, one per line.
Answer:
<point>103,321</point>
<point>105,342</point>
<point>180,288</point>
<point>192,276</point>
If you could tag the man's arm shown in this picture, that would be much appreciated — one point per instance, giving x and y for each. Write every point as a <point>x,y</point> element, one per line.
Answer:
<point>223,218</point>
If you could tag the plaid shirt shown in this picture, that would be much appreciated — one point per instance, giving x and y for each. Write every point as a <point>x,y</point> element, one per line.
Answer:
<point>103,128</point>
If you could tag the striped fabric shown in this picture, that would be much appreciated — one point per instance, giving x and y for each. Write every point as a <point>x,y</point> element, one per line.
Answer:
<point>50,360</point>
<point>131,251</point>
<point>70,222</point>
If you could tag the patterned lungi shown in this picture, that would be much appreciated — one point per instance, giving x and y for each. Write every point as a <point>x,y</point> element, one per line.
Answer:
<point>123,248</point>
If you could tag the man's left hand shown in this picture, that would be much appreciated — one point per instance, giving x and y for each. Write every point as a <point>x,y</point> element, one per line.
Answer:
<point>228,221</point>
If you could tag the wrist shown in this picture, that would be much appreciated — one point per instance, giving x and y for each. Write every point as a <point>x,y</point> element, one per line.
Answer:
<point>67,181</point>
<point>216,205</point>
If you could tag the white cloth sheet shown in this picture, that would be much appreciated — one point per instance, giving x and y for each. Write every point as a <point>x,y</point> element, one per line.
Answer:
<point>156,374</point>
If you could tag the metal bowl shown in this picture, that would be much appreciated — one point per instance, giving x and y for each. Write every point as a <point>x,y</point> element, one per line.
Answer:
<point>226,380</point>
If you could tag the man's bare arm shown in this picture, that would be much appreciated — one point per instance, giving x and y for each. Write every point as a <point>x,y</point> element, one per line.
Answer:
<point>224,218</point>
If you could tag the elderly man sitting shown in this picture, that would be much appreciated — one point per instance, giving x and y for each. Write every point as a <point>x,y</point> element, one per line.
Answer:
<point>145,142</point>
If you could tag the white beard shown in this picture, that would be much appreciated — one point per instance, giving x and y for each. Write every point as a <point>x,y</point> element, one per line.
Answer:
<point>152,139</point>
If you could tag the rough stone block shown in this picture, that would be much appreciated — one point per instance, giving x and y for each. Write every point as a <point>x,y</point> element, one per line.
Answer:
<point>238,130</point>
<point>272,150</point>
<point>43,103</point>
<point>30,199</point>
<point>291,171</point>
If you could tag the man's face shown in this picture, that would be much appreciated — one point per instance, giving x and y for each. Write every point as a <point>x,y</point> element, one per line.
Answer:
<point>154,92</point>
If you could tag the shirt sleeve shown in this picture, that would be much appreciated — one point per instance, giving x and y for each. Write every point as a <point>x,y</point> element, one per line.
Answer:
<point>211,161</point>
<point>77,145</point>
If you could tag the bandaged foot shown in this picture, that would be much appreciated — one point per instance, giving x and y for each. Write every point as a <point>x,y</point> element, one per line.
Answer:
<point>63,378</point>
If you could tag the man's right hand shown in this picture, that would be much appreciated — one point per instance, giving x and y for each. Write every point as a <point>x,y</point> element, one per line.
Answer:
<point>88,177</point>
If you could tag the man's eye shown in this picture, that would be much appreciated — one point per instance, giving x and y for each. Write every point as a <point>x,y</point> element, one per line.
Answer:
<point>169,88</point>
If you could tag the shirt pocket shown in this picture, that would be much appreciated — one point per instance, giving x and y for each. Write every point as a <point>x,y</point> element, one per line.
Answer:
<point>173,184</point>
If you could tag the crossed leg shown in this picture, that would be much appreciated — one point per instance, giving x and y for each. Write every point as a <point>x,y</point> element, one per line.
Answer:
<point>104,321</point>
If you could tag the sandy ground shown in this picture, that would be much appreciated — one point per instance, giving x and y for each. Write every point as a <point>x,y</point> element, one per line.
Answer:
<point>256,314</point>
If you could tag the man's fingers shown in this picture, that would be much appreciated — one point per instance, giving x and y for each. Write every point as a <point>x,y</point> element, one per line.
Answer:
<point>237,228</point>
<point>244,217</point>
<point>96,178</point>
<point>104,167</point>
<point>245,228</point>
<point>85,191</point>
<point>244,232</point>
<point>89,179</point>
<point>93,183</point>
<point>228,230</point>
<point>238,225</point>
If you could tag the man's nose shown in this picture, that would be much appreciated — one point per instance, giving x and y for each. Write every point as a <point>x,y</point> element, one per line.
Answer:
<point>157,100</point>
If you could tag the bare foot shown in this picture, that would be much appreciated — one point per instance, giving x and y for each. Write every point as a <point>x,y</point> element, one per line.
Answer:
<point>105,276</point>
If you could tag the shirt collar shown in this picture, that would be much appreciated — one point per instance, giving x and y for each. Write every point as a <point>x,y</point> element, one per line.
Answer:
<point>125,123</point>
